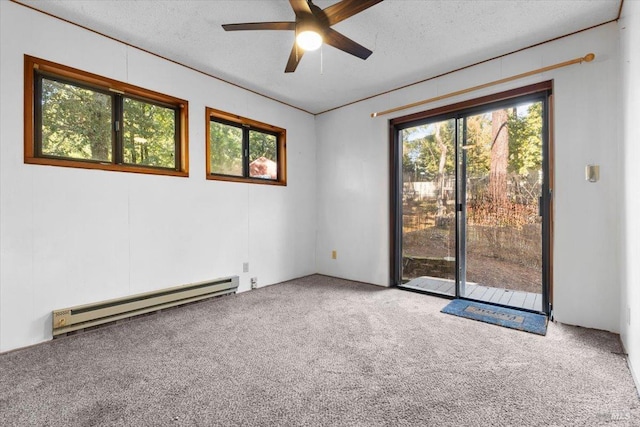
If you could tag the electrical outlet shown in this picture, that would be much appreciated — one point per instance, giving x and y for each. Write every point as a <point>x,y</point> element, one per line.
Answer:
<point>254,282</point>
<point>245,267</point>
<point>334,254</point>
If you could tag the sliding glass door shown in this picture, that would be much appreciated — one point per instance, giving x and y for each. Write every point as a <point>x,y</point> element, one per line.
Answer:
<point>472,219</point>
<point>428,206</point>
<point>501,159</point>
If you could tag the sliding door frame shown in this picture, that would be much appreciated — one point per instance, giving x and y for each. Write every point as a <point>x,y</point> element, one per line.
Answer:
<point>543,91</point>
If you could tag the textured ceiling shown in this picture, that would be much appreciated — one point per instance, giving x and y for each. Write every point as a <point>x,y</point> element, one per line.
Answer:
<point>410,40</point>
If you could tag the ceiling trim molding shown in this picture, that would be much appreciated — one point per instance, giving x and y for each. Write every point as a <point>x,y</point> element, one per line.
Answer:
<point>620,10</point>
<point>161,57</point>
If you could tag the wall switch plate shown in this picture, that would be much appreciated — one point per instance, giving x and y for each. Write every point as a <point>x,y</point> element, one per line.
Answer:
<point>245,267</point>
<point>334,254</point>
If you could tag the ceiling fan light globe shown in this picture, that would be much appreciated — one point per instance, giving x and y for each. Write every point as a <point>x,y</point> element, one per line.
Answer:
<point>309,40</point>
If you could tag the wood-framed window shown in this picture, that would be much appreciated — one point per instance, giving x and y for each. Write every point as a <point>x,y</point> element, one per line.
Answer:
<point>244,150</point>
<point>77,119</point>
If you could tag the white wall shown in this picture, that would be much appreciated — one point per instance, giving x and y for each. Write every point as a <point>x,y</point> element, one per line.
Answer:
<point>353,178</point>
<point>630,265</point>
<point>73,236</point>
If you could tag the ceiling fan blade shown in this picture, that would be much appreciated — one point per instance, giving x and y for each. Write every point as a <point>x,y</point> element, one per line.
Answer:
<point>301,8</point>
<point>337,40</point>
<point>294,59</point>
<point>346,9</point>
<point>260,26</point>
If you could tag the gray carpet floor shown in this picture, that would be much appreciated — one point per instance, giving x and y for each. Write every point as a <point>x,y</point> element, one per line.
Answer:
<point>319,351</point>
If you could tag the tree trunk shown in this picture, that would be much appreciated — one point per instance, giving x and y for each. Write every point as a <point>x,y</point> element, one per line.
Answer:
<point>98,134</point>
<point>440,203</point>
<point>499,158</point>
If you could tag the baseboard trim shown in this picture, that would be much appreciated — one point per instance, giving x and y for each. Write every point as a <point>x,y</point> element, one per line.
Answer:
<point>635,377</point>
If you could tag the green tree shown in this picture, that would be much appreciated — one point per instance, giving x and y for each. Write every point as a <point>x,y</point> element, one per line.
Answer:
<point>478,145</point>
<point>225,149</point>
<point>262,145</point>
<point>525,140</point>
<point>422,156</point>
<point>148,134</point>
<point>76,122</point>
<point>525,153</point>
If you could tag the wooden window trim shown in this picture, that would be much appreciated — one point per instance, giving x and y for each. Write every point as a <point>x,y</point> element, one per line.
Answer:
<point>253,125</point>
<point>31,64</point>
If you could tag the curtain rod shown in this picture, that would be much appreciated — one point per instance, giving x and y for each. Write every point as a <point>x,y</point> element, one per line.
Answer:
<point>587,58</point>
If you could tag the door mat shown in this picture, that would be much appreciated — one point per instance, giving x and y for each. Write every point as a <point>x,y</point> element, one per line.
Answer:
<point>507,317</point>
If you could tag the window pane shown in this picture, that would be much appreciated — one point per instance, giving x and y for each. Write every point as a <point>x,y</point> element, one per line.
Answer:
<point>429,206</point>
<point>76,122</point>
<point>149,134</point>
<point>225,149</point>
<point>263,155</point>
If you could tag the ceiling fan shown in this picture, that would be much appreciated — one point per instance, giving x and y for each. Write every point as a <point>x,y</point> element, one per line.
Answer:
<point>313,27</point>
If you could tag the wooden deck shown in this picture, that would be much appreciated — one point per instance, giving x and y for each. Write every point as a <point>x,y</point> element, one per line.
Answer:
<point>516,299</point>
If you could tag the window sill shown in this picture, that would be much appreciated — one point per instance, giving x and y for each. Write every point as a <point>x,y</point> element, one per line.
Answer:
<point>104,166</point>
<point>245,180</point>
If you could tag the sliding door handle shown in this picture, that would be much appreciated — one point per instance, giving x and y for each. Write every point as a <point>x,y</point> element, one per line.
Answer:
<point>540,206</point>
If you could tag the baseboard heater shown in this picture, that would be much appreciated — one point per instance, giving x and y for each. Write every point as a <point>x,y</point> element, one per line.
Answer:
<point>84,316</point>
